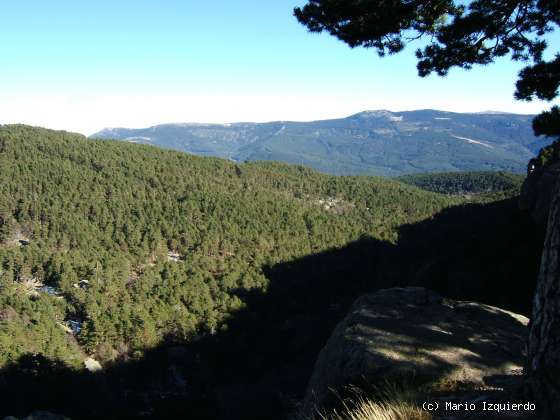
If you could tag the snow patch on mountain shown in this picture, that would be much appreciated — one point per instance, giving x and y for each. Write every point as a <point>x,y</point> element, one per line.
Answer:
<point>472,141</point>
<point>135,139</point>
<point>380,114</point>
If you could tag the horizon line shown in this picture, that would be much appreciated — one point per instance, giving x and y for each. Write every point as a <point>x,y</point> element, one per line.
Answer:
<point>228,123</point>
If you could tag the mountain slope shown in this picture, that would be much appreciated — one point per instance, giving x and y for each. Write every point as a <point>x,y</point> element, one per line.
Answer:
<point>126,244</point>
<point>371,142</point>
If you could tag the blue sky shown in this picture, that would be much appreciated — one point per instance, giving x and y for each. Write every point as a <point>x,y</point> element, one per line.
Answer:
<point>83,66</point>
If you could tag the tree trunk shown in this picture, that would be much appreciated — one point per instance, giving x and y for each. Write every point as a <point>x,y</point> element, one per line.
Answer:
<point>543,367</point>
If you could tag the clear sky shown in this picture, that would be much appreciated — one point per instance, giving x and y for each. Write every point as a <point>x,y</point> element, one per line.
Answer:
<point>83,66</point>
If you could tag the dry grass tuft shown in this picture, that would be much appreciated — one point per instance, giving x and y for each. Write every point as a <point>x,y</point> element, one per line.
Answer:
<point>392,402</point>
<point>364,409</point>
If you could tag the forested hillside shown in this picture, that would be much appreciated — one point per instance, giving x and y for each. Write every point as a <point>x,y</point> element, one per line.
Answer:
<point>368,143</point>
<point>206,287</point>
<point>126,244</point>
<point>466,182</point>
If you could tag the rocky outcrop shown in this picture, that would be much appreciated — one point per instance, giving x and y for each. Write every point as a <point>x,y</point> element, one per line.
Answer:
<point>537,190</point>
<point>543,365</point>
<point>415,335</point>
<point>92,365</point>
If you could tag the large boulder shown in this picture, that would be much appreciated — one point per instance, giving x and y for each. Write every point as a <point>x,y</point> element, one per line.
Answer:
<point>92,365</point>
<point>414,335</point>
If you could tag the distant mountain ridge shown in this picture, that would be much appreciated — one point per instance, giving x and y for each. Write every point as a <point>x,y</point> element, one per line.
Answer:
<point>376,142</point>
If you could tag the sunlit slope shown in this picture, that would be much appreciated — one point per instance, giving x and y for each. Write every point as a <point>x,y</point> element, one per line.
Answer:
<point>136,243</point>
<point>367,143</point>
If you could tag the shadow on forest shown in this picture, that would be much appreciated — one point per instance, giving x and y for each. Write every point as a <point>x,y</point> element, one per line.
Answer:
<point>260,366</point>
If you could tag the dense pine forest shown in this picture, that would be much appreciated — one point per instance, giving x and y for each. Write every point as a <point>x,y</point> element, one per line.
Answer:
<point>113,250</point>
<point>461,183</point>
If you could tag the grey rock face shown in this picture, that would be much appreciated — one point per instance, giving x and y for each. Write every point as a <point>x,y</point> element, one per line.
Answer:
<point>543,365</point>
<point>413,334</point>
<point>537,191</point>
